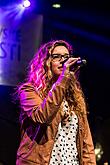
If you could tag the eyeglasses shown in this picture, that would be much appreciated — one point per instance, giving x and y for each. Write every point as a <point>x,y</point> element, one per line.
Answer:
<point>58,57</point>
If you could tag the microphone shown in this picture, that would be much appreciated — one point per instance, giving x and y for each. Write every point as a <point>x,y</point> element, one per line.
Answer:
<point>80,62</point>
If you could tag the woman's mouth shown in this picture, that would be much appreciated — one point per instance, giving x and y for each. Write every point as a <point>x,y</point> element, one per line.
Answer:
<point>60,68</point>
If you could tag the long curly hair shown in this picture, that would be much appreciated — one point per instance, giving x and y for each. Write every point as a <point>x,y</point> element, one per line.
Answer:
<point>40,75</point>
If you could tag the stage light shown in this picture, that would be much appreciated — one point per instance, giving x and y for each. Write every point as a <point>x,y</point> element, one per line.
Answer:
<point>56,5</point>
<point>98,151</point>
<point>26,3</point>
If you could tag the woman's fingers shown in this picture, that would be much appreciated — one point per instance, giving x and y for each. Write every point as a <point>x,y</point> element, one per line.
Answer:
<point>71,61</point>
<point>69,66</point>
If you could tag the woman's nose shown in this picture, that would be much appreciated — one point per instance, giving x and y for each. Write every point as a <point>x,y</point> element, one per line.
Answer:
<point>63,61</point>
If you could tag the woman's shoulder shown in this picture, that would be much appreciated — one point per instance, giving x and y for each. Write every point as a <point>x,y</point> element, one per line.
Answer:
<point>26,86</point>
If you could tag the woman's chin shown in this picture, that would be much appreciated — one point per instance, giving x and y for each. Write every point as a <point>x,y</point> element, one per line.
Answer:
<point>59,72</point>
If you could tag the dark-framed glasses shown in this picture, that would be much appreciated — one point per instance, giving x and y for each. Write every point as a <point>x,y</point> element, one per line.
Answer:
<point>58,57</point>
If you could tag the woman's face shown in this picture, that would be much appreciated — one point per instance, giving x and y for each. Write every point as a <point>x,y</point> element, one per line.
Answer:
<point>57,65</point>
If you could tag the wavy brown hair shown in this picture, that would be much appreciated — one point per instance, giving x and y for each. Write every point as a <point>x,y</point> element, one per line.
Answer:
<point>40,75</point>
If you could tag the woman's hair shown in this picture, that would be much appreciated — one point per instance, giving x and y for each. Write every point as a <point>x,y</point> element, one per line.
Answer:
<point>40,74</point>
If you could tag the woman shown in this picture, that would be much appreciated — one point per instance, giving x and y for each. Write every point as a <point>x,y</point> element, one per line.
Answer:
<point>53,116</point>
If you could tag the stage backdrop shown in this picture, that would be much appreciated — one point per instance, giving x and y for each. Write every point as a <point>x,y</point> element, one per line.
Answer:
<point>20,36</point>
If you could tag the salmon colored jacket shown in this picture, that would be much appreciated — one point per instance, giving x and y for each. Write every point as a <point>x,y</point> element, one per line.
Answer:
<point>40,119</point>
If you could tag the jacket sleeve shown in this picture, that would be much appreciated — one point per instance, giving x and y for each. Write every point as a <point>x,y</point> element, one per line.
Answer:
<point>43,111</point>
<point>88,148</point>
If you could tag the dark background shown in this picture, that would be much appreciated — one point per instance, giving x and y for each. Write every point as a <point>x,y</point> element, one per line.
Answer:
<point>85,25</point>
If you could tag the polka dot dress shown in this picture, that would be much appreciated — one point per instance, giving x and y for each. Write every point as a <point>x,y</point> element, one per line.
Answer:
<point>65,151</point>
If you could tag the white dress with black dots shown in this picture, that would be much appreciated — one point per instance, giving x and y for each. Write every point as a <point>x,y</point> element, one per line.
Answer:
<point>65,151</point>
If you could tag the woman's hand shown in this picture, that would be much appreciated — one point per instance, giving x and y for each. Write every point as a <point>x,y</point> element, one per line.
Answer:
<point>69,65</point>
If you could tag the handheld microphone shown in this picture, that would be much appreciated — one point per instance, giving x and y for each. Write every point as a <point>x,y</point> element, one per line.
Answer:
<point>80,62</point>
